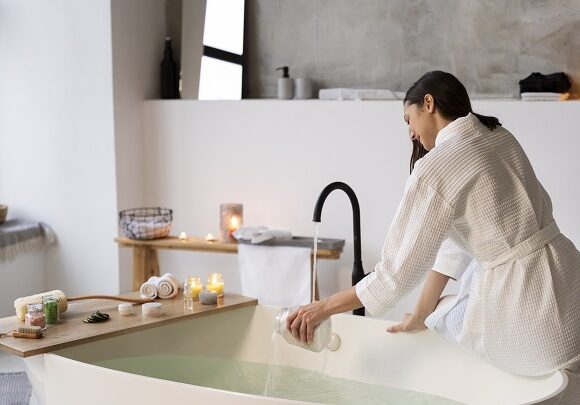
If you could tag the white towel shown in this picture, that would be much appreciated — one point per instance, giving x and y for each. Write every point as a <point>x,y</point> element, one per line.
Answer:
<point>163,287</point>
<point>167,286</point>
<point>275,275</point>
<point>148,290</point>
<point>540,96</point>
<point>359,94</point>
<point>260,234</point>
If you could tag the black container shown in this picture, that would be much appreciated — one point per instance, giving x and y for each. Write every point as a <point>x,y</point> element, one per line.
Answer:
<point>169,73</point>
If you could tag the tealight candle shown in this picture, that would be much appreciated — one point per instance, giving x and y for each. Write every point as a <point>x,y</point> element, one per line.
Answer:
<point>196,287</point>
<point>209,237</point>
<point>215,283</point>
<point>182,236</point>
<point>231,218</point>
<point>208,297</point>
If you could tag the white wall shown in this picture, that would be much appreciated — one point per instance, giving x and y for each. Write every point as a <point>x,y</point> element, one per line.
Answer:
<point>138,32</point>
<point>275,157</point>
<point>23,276</point>
<point>57,161</point>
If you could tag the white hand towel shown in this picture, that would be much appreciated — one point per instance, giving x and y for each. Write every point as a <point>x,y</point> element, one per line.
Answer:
<point>259,234</point>
<point>275,275</point>
<point>167,286</point>
<point>247,232</point>
<point>262,236</point>
<point>148,290</point>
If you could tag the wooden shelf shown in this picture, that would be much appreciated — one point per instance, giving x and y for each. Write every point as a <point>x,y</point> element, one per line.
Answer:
<point>195,244</point>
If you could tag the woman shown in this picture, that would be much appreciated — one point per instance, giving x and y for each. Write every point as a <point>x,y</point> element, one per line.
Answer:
<point>473,210</point>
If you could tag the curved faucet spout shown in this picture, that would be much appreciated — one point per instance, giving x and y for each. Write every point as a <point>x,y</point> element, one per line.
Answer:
<point>355,212</point>
<point>357,271</point>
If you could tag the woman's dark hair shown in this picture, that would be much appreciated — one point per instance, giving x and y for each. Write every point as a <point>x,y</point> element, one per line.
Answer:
<point>451,100</point>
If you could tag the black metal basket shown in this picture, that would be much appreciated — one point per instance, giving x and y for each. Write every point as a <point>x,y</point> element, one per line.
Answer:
<point>146,223</point>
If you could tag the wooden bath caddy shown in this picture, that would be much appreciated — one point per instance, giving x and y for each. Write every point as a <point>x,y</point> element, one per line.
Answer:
<point>146,263</point>
<point>72,331</point>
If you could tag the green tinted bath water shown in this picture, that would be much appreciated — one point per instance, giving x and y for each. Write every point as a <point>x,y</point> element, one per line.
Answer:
<point>276,381</point>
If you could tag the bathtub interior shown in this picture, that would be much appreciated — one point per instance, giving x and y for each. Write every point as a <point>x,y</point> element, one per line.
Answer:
<point>419,362</point>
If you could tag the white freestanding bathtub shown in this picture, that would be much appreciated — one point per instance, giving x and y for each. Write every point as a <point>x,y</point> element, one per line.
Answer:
<point>421,362</point>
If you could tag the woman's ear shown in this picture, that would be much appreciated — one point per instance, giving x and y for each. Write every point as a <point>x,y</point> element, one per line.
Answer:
<point>429,103</point>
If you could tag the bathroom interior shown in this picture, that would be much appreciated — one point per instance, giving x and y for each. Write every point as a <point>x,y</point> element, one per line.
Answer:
<point>86,133</point>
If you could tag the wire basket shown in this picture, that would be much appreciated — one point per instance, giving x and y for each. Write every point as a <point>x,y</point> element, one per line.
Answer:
<point>146,223</point>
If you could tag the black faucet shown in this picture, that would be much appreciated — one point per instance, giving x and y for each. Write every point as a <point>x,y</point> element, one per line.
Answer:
<point>357,270</point>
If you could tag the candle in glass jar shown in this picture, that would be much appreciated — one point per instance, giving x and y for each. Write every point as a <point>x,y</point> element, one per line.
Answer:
<point>196,287</point>
<point>231,218</point>
<point>215,283</point>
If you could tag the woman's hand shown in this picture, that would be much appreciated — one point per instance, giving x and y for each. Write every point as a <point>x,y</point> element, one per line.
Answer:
<point>302,322</point>
<point>409,324</point>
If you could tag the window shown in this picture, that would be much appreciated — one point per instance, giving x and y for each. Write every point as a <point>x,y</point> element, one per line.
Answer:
<point>222,63</point>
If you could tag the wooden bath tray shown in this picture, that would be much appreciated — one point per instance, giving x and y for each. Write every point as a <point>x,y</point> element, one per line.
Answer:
<point>72,331</point>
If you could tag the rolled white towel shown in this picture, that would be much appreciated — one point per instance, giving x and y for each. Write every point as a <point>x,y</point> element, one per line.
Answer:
<point>148,289</point>
<point>167,286</point>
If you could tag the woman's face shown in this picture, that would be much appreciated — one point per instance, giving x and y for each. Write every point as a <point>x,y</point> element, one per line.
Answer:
<point>422,123</point>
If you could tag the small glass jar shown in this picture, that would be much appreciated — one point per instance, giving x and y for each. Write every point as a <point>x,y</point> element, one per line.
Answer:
<point>50,306</point>
<point>35,316</point>
<point>187,297</point>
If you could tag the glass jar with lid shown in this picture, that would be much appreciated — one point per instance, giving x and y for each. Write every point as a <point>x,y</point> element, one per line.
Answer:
<point>35,316</point>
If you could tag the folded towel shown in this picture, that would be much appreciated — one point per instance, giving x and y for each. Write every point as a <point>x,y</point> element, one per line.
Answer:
<point>148,290</point>
<point>359,94</point>
<point>260,234</point>
<point>275,275</point>
<point>543,96</point>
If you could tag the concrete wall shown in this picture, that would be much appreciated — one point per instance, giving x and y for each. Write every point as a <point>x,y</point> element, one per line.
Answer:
<point>57,145</point>
<point>489,45</point>
<point>275,157</point>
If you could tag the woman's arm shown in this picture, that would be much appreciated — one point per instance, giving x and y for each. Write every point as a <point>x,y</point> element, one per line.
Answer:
<point>303,321</point>
<point>432,289</point>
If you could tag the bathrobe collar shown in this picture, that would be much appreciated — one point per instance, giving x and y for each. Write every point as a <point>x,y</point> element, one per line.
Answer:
<point>458,126</point>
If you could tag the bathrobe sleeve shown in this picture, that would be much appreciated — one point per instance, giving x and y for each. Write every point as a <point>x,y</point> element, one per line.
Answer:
<point>451,260</point>
<point>418,229</point>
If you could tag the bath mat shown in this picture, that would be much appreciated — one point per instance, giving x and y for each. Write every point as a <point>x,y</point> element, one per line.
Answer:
<point>15,389</point>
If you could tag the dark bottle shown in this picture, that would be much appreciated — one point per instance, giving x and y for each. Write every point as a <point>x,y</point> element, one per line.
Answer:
<point>169,73</point>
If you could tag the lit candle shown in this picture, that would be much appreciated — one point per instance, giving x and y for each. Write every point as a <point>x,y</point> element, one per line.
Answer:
<point>209,237</point>
<point>215,283</point>
<point>182,236</point>
<point>234,223</point>
<point>231,218</point>
<point>195,285</point>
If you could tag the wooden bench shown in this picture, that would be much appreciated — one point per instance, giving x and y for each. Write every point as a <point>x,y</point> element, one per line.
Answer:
<point>146,263</point>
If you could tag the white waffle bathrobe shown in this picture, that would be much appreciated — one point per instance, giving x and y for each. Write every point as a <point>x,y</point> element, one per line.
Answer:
<point>473,209</point>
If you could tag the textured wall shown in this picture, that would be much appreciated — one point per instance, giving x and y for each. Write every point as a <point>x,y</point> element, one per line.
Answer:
<point>488,44</point>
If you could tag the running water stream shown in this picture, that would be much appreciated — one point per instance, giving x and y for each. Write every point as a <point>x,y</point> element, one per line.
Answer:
<point>314,261</point>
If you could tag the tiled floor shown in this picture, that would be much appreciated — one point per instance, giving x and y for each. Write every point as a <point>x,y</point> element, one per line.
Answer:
<point>11,364</point>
